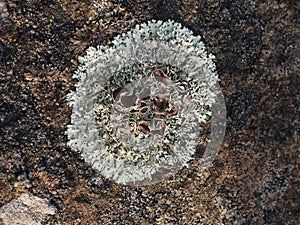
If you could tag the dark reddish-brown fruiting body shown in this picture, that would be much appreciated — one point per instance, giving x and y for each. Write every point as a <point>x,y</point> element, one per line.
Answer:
<point>172,112</point>
<point>160,76</point>
<point>145,94</point>
<point>159,105</point>
<point>117,92</point>
<point>144,127</point>
<point>128,101</point>
<point>144,109</point>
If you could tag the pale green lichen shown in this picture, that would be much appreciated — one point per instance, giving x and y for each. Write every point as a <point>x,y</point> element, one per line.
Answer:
<point>139,104</point>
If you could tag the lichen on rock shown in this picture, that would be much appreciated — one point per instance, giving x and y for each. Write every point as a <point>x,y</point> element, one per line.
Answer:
<point>139,104</point>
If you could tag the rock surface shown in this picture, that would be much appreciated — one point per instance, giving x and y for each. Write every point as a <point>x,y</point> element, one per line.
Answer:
<point>254,179</point>
<point>26,209</point>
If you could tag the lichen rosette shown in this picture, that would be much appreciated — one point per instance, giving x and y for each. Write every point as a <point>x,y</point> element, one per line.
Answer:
<point>139,104</point>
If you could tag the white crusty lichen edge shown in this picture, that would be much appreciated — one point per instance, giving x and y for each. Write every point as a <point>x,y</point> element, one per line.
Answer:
<point>155,41</point>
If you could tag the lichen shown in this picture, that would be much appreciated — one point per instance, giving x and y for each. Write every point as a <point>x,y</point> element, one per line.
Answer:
<point>139,104</point>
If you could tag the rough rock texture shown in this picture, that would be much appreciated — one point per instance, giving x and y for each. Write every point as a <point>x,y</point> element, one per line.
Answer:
<point>26,209</point>
<point>255,178</point>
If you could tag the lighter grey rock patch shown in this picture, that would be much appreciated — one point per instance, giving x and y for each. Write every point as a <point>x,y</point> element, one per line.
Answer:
<point>3,10</point>
<point>26,210</point>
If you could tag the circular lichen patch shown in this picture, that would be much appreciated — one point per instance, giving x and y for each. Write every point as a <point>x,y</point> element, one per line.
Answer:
<point>140,105</point>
